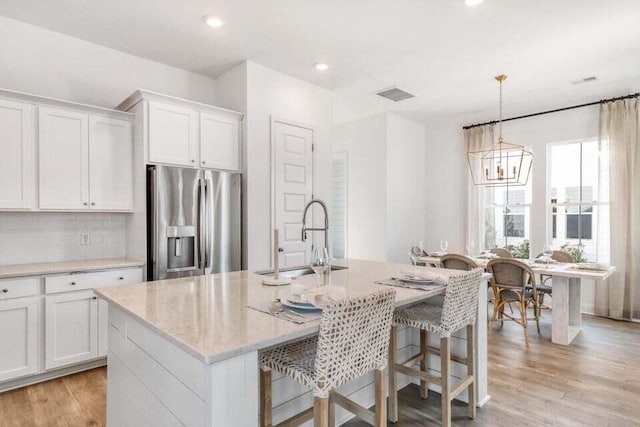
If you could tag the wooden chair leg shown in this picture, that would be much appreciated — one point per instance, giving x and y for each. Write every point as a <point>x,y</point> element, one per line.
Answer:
<point>536,309</point>
<point>445,358</point>
<point>393,379</point>
<point>266,417</point>
<point>523,317</point>
<point>424,340</point>
<point>471,369</point>
<point>332,412</point>
<point>321,412</point>
<point>381,398</point>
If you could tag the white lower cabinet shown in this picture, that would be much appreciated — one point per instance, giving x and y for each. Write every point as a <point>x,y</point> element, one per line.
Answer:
<point>71,328</point>
<point>19,337</point>
<point>103,327</point>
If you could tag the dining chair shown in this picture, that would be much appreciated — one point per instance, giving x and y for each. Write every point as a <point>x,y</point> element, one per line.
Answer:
<point>459,311</point>
<point>457,262</point>
<point>509,281</point>
<point>544,288</point>
<point>501,252</point>
<point>353,340</point>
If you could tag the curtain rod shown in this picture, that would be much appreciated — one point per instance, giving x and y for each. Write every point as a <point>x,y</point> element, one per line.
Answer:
<point>602,101</point>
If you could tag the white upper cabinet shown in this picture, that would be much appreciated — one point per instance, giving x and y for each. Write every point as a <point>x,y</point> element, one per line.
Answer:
<point>17,187</point>
<point>110,164</point>
<point>63,142</point>
<point>219,142</point>
<point>173,135</point>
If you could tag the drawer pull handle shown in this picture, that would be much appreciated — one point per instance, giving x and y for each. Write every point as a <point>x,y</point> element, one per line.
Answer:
<point>5,290</point>
<point>120,278</point>
<point>73,283</point>
<point>95,297</point>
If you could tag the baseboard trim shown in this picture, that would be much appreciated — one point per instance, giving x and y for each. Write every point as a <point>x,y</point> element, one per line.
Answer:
<point>50,375</point>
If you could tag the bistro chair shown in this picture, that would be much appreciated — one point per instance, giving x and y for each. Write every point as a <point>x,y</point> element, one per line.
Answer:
<point>501,252</point>
<point>544,288</point>
<point>353,340</point>
<point>457,262</point>
<point>509,281</point>
<point>459,311</point>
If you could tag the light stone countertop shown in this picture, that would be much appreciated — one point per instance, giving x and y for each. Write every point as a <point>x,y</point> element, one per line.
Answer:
<point>208,316</point>
<point>39,269</point>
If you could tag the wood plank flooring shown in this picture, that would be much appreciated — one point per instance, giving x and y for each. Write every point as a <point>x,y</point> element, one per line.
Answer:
<point>593,382</point>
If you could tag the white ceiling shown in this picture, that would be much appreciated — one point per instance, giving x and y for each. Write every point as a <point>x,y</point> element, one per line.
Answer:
<point>441,50</point>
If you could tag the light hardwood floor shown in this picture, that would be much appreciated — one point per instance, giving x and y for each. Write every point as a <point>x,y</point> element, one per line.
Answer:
<point>593,382</point>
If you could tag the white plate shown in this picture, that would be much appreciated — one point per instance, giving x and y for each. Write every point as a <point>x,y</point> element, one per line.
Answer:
<point>417,280</point>
<point>298,306</point>
<point>437,254</point>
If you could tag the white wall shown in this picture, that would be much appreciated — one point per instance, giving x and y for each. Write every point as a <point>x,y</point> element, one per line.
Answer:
<point>27,237</point>
<point>406,195</point>
<point>43,62</point>
<point>364,141</point>
<point>271,93</point>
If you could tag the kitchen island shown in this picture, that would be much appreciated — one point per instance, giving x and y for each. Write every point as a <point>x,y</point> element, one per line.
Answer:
<point>185,351</point>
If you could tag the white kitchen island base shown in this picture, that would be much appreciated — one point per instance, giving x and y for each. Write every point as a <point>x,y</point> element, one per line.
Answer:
<point>155,379</point>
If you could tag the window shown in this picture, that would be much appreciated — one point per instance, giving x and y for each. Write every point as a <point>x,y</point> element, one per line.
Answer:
<point>573,183</point>
<point>507,216</point>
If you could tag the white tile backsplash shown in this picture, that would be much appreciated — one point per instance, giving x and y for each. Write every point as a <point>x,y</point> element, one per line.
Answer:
<point>28,237</point>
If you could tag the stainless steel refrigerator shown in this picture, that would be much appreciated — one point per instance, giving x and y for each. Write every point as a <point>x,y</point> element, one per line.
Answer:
<point>193,220</point>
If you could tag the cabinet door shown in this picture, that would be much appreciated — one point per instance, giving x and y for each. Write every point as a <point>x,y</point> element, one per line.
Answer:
<point>110,164</point>
<point>63,141</point>
<point>71,328</point>
<point>219,142</point>
<point>17,189</point>
<point>19,332</point>
<point>173,135</point>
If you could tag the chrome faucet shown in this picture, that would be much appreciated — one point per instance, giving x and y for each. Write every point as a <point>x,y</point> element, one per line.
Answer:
<point>326,222</point>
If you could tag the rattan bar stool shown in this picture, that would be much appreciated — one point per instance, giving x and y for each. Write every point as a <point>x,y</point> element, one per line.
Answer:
<point>458,311</point>
<point>353,340</point>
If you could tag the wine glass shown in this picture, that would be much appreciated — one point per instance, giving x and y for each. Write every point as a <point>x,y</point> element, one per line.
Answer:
<point>547,250</point>
<point>415,251</point>
<point>471,248</point>
<point>444,245</point>
<point>320,262</point>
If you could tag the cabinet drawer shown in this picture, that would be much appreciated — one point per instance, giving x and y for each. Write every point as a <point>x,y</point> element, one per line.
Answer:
<point>93,280</point>
<point>14,288</point>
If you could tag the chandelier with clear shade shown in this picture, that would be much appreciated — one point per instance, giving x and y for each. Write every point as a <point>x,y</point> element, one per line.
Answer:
<point>504,164</point>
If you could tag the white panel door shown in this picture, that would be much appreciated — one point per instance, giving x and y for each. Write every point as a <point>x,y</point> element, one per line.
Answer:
<point>71,328</point>
<point>19,332</point>
<point>63,142</point>
<point>110,164</point>
<point>219,142</point>
<point>173,135</point>
<point>293,186</point>
<point>17,190</point>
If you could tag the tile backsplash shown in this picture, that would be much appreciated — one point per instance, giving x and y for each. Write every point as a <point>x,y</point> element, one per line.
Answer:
<point>29,237</point>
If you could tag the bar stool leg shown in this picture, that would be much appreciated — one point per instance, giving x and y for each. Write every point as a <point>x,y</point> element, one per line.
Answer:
<point>471,369</point>
<point>424,340</point>
<point>393,379</point>
<point>381,398</point>
<point>445,357</point>
<point>321,412</point>
<point>332,411</point>
<point>265,397</point>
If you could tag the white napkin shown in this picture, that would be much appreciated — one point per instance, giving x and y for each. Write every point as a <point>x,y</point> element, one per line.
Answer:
<point>425,275</point>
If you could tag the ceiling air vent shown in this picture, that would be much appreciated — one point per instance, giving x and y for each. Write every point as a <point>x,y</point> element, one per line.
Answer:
<point>584,80</point>
<point>394,94</point>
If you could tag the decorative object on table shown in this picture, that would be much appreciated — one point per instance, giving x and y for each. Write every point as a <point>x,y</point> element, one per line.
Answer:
<point>457,262</point>
<point>276,280</point>
<point>353,340</point>
<point>444,246</point>
<point>471,248</point>
<point>458,312</point>
<point>505,164</point>
<point>320,264</point>
<point>416,250</point>
<point>509,282</point>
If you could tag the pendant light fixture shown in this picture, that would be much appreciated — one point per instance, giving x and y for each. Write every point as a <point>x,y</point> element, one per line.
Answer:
<point>505,164</point>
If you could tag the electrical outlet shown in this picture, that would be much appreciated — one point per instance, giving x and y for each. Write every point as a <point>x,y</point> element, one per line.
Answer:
<point>84,239</point>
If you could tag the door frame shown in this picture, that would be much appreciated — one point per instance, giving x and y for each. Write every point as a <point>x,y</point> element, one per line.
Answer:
<point>272,172</point>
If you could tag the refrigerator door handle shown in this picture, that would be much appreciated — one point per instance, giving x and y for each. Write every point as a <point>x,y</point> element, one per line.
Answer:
<point>201,223</point>
<point>208,189</point>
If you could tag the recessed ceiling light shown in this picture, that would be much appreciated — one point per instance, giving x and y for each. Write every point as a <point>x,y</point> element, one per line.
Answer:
<point>472,2</point>
<point>322,66</point>
<point>213,21</point>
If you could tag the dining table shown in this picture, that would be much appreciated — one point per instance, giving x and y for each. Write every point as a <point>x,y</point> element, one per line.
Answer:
<point>566,279</point>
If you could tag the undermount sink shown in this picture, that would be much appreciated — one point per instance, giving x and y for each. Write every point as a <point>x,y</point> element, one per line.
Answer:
<point>296,271</point>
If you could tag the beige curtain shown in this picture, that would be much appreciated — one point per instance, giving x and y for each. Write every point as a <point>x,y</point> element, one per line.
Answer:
<point>620,157</point>
<point>477,138</point>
